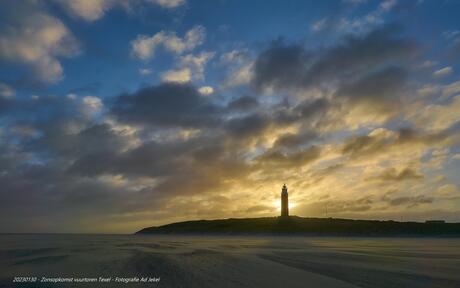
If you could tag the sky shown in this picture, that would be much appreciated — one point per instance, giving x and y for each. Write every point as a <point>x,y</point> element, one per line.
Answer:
<point>117,115</point>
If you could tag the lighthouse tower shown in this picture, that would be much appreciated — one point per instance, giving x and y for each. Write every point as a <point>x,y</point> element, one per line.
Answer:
<point>284,202</point>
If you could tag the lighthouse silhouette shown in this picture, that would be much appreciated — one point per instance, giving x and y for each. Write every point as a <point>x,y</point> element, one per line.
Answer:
<point>284,202</point>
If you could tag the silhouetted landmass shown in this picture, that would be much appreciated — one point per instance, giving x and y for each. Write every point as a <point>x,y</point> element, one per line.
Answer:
<point>311,226</point>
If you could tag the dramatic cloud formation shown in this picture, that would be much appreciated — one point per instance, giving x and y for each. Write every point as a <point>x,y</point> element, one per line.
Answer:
<point>168,104</point>
<point>285,66</point>
<point>357,115</point>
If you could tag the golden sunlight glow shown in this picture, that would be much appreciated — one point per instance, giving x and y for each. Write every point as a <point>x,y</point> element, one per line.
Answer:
<point>277,203</point>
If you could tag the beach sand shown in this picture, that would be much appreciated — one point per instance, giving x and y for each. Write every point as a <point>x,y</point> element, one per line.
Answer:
<point>230,261</point>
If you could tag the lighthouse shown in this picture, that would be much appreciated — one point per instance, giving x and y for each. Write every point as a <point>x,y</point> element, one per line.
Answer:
<point>284,202</point>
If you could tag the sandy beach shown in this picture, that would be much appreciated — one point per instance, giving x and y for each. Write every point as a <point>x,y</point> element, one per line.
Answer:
<point>217,261</point>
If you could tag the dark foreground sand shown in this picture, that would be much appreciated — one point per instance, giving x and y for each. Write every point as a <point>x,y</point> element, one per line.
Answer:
<point>187,261</point>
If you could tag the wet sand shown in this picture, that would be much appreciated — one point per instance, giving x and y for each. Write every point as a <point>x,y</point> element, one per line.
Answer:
<point>219,261</point>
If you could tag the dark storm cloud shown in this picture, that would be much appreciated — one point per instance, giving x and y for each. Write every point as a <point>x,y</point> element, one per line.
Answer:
<point>197,165</point>
<point>308,109</point>
<point>93,141</point>
<point>43,192</point>
<point>284,66</point>
<point>379,87</point>
<point>250,125</point>
<point>149,159</point>
<point>48,114</point>
<point>60,169</point>
<point>73,146</point>
<point>278,116</point>
<point>281,66</point>
<point>203,165</point>
<point>167,104</point>
<point>36,173</point>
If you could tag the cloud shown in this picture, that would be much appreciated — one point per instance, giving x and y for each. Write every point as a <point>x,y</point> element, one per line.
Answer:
<point>428,64</point>
<point>319,25</point>
<point>380,90</point>
<point>260,209</point>
<point>443,72</point>
<point>190,67</point>
<point>387,5</point>
<point>144,46</point>
<point>410,201</point>
<point>93,104</point>
<point>6,91</point>
<point>206,90</point>
<point>453,42</point>
<point>37,39</point>
<point>447,190</point>
<point>234,56</point>
<point>390,144</point>
<point>369,21</point>
<point>62,135</point>
<point>291,140</point>
<point>92,10</point>
<point>437,117</point>
<point>145,71</point>
<point>243,103</point>
<point>451,34</point>
<point>308,112</point>
<point>196,63</point>
<point>180,76</point>
<point>88,10</point>
<point>168,3</point>
<point>278,159</point>
<point>239,76</point>
<point>405,174</point>
<point>451,89</point>
<point>291,62</point>
<point>5,104</point>
<point>171,147</point>
<point>187,167</point>
<point>247,126</point>
<point>291,67</point>
<point>168,104</point>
